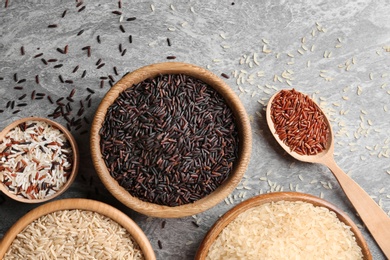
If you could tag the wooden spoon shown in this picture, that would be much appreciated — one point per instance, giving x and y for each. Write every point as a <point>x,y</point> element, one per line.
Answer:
<point>375,219</point>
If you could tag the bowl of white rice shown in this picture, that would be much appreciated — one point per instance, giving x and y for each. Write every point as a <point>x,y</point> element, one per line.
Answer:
<point>75,229</point>
<point>284,225</point>
<point>39,160</point>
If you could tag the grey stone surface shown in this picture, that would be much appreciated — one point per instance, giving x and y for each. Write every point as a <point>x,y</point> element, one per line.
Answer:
<point>336,51</point>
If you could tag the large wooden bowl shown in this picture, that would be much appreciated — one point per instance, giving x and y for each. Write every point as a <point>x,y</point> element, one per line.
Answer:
<point>75,165</point>
<point>80,204</point>
<point>229,216</point>
<point>242,122</point>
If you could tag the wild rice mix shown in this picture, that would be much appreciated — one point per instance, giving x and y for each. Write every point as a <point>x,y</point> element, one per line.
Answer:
<point>74,234</point>
<point>170,140</point>
<point>36,160</point>
<point>299,122</point>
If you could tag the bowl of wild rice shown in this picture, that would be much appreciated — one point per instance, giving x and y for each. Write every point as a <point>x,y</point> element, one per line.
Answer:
<point>170,140</point>
<point>75,229</point>
<point>284,225</point>
<point>39,160</point>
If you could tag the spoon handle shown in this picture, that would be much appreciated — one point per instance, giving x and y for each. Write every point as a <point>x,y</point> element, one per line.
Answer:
<point>375,219</point>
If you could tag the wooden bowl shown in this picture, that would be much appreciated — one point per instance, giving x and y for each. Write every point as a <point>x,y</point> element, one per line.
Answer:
<point>242,122</point>
<point>75,165</point>
<point>81,204</point>
<point>229,216</point>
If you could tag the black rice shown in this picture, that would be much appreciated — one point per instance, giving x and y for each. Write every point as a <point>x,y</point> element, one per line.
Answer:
<point>72,92</point>
<point>60,50</point>
<point>170,140</point>
<point>225,75</point>
<point>75,69</point>
<point>90,91</point>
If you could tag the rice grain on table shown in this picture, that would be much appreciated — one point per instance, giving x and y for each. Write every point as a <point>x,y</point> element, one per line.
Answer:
<point>74,234</point>
<point>286,230</point>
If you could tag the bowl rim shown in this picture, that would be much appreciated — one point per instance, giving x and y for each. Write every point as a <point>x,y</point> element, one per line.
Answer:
<point>261,199</point>
<point>242,121</point>
<point>75,163</point>
<point>80,204</point>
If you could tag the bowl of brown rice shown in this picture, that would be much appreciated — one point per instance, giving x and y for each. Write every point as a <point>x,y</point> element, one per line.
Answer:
<point>170,140</point>
<point>284,225</point>
<point>75,229</point>
<point>39,160</point>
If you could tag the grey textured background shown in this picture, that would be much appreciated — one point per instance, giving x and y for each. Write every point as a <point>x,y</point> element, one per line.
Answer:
<point>337,52</point>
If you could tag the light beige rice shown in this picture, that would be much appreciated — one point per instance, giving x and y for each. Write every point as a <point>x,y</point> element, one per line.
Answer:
<point>286,230</point>
<point>74,234</point>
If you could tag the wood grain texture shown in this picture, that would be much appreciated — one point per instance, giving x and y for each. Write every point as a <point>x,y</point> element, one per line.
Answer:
<point>375,219</point>
<point>81,204</point>
<point>242,121</point>
<point>75,165</point>
<point>229,216</point>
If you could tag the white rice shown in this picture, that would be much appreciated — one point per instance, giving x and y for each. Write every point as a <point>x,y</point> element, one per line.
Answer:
<point>286,230</point>
<point>74,234</point>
